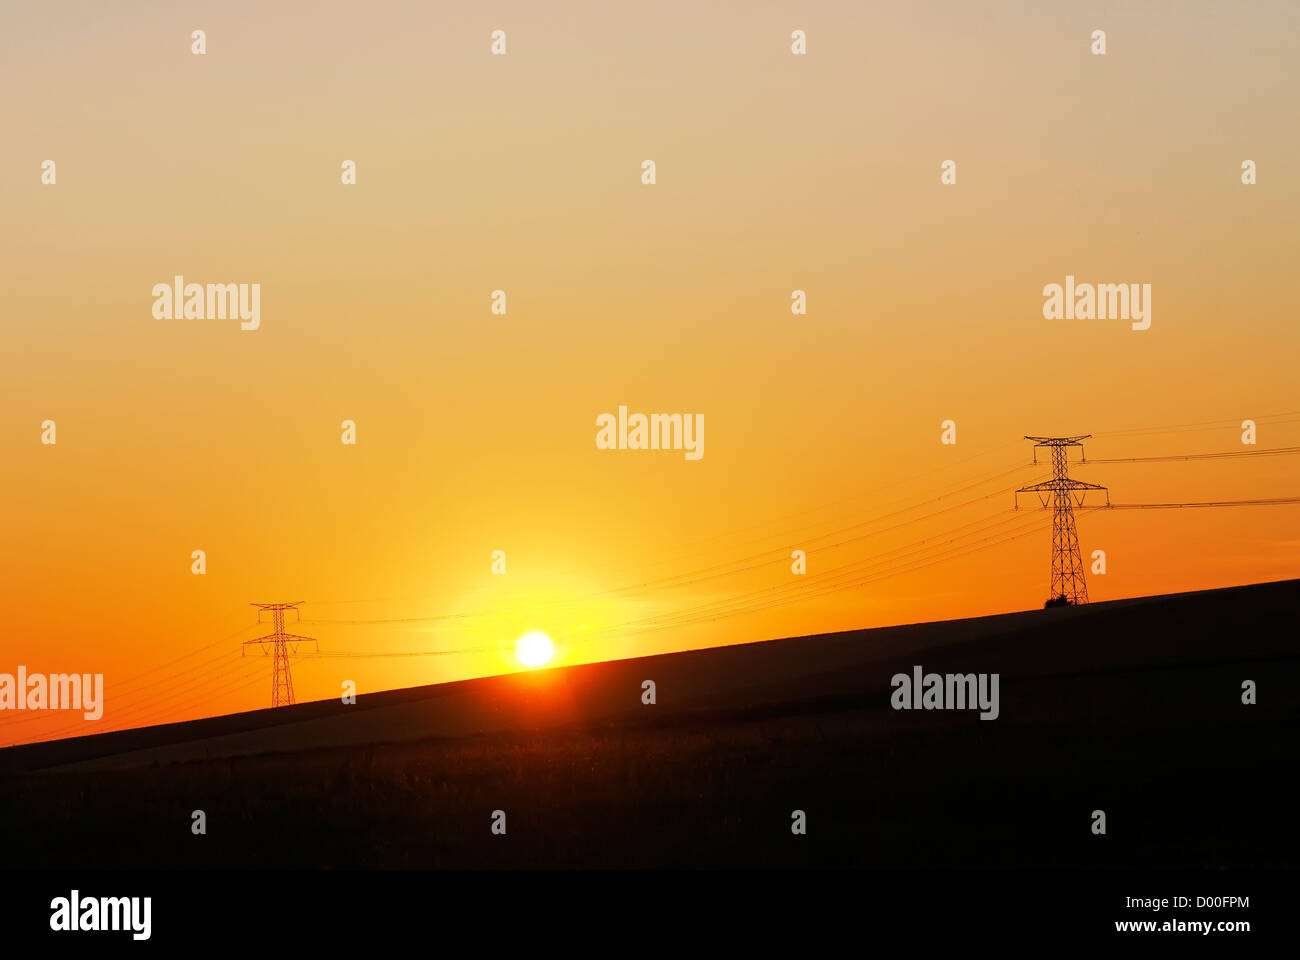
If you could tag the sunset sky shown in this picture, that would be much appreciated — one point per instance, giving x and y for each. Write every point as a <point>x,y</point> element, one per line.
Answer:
<point>476,432</point>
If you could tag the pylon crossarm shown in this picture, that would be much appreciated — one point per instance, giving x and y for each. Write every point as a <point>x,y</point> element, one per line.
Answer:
<point>1035,487</point>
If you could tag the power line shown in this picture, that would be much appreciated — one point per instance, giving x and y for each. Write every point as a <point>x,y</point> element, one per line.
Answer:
<point>139,714</point>
<point>885,565</point>
<point>828,582</point>
<point>357,655</point>
<point>707,574</point>
<point>785,534</point>
<point>182,690</point>
<point>842,584</point>
<point>1260,502</point>
<point>1226,454</point>
<point>755,561</point>
<point>1274,419</point>
<point>713,537</point>
<point>189,675</point>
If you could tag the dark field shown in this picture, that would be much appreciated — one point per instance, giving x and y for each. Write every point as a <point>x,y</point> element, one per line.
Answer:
<point>1131,707</point>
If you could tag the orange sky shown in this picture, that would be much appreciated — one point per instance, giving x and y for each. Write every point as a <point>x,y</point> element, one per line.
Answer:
<point>476,432</point>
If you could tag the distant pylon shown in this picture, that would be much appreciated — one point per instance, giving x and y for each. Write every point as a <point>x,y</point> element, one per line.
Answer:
<point>1068,586</point>
<point>281,676</point>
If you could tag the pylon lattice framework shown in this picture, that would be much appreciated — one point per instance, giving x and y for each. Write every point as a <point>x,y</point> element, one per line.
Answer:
<point>1068,585</point>
<point>281,642</point>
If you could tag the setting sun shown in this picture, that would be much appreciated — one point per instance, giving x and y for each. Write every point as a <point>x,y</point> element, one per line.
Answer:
<point>534,649</point>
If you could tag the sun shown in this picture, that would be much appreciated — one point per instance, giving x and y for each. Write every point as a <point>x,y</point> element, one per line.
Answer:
<point>534,649</point>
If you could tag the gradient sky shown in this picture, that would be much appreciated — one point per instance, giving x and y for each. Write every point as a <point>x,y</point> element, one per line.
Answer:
<point>476,432</point>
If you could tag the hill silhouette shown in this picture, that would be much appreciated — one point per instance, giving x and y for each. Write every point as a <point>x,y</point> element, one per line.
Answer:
<point>1133,707</point>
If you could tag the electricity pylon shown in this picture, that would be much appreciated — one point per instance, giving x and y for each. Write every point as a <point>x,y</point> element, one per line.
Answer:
<point>281,677</point>
<point>1068,585</point>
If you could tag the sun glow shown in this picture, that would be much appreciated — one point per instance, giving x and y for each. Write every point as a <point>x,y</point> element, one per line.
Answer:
<point>534,649</point>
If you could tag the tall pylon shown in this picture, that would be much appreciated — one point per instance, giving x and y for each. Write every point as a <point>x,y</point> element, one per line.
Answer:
<point>1068,586</point>
<point>281,676</point>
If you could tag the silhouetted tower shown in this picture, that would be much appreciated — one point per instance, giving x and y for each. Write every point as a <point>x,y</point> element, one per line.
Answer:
<point>1068,586</point>
<point>281,677</point>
